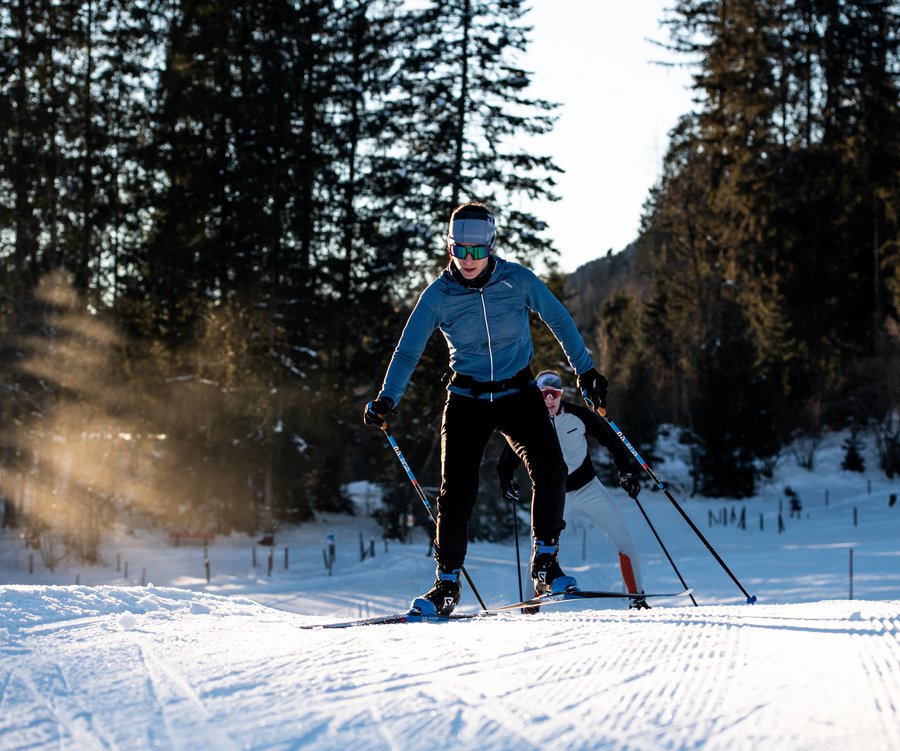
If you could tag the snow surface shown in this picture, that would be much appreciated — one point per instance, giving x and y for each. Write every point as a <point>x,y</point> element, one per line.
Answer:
<point>186,664</point>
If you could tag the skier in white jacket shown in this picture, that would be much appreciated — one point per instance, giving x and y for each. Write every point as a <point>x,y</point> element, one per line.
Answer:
<point>586,496</point>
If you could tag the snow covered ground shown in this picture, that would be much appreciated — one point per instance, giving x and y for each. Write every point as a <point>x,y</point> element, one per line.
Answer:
<point>186,664</point>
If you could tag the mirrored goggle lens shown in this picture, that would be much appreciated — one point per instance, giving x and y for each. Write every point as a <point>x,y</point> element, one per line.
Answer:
<point>549,381</point>
<point>476,251</point>
<point>547,393</point>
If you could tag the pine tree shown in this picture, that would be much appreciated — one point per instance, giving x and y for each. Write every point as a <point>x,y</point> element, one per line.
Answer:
<point>853,460</point>
<point>755,234</point>
<point>460,104</point>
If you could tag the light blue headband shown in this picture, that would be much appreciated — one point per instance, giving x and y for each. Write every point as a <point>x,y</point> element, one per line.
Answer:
<point>472,232</point>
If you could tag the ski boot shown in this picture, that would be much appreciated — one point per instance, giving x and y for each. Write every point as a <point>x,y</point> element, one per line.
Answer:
<point>441,598</point>
<point>548,577</point>
<point>532,609</point>
<point>639,603</point>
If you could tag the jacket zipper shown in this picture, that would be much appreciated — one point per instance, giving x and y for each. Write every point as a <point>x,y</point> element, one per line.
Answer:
<point>487,329</point>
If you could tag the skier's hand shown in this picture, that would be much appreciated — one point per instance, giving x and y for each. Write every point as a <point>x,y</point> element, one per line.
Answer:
<point>377,411</point>
<point>629,484</point>
<point>593,387</point>
<point>511,491</point>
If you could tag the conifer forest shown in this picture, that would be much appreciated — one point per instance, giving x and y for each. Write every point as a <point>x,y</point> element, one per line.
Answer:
<point>216,216</point>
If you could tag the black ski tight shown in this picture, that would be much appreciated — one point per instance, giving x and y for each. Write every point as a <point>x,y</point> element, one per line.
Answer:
<point>466,428</point>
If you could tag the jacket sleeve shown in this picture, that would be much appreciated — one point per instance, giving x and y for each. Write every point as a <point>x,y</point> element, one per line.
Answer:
<point>506,464</point>
<point>421,324</point>
<point>553,313</point>
<point>598,429</point>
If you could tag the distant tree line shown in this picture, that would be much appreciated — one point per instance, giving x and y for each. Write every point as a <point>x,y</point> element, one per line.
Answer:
<point>763,297</point>
<point>214,215</point>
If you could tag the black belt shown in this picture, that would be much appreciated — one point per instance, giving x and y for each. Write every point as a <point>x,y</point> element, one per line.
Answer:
<point>519,381</point>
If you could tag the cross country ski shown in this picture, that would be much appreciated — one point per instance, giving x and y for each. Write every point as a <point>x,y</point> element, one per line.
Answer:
<point>548,599</point>
<point>578,594</point>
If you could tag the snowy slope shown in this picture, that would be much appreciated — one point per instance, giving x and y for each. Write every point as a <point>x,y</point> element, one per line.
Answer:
<point>113,668</point>
<point>182,664</point>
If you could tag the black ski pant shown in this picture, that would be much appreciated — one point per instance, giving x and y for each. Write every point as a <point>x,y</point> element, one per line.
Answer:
<point>465,430</point>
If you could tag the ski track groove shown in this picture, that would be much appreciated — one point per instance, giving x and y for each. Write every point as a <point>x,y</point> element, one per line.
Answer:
<point>381,726</point>
<point>270,689</point>
<point>553,677</point>
<point>827,699</point>
<point>72,725</point>
<point>703,659</point>
<point>625,685</point>
<point>325,663</point>
<point>879,654</point>
<point>180,705</point>
<point>716,671</point>
<point>643,686</point>
<point>38,728</point>
<point>493,717</point>
<point>5,678</point>
<point>549,679</point>
<point>437,680</point>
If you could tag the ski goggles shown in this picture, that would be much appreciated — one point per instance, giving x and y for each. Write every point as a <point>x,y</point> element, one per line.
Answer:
<point>549,380</point>
<point>549,393</point>
<point>476,251</point>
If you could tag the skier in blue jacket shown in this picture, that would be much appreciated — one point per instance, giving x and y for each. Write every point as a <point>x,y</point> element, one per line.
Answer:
<point>481,304</point>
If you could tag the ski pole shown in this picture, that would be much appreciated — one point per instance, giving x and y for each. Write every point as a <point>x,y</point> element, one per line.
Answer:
<point>602,413</point>
<point>421,493</point>
<point>659,540</point>
<point>750,598</point>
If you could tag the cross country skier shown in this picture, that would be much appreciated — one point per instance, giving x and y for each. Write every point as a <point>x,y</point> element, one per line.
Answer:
<point>480,303</point>
<point>586,496</point>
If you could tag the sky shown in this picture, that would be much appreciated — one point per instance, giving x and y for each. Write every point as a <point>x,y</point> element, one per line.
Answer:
<point>239,663</point>
<point>594,58</point>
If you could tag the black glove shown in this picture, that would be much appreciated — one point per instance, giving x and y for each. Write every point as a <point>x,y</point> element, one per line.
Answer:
<point>629,483</point>
<point>593,388</point>
<point>511,491</point>
<point>377,411</point>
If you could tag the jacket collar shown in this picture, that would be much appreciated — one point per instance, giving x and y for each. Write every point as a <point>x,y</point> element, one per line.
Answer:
<point>479,281</point>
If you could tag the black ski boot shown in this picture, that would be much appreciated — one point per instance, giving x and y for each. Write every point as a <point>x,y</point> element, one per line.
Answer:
<point>532,609</point>
<point>548,577</point>
<point>441,598</point>
<point>639,603</point>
